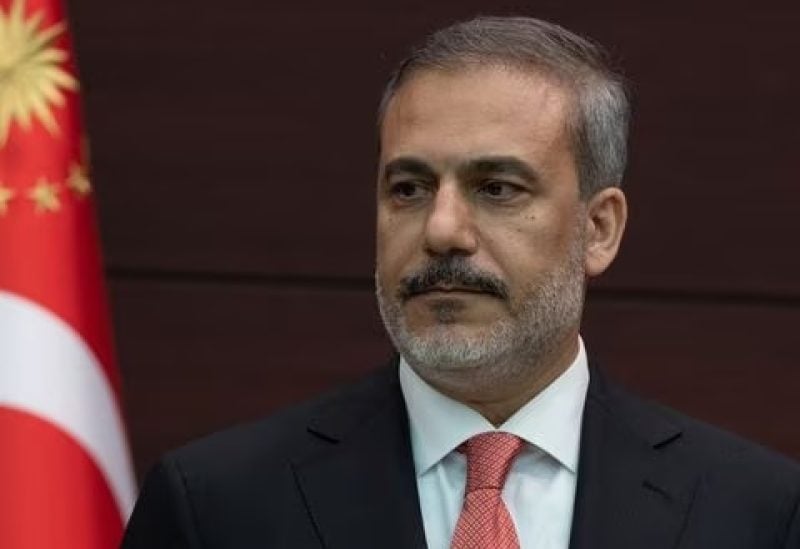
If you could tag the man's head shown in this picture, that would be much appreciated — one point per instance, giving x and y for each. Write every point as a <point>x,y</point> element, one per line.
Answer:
<point>502,148</point>
<point>597,122</point>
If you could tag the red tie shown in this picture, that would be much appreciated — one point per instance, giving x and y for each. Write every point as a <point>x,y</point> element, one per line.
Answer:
<point>484,522</point>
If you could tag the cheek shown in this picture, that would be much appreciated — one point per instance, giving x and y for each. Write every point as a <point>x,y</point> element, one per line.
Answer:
<point>546,229</point>
<point>398,238</point>
<point>524,247</point>
<point>519,236</point>
<point>395,245</point>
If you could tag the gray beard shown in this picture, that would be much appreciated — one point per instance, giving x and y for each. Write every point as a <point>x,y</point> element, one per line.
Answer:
<point>506,350</point>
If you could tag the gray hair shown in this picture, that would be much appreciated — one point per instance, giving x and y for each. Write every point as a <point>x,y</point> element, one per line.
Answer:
<point>598,125</point>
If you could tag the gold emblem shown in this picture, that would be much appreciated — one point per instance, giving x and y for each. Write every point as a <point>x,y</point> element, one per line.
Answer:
<point>45,196</point>
<point>31,77</point>
<point>6,195</point>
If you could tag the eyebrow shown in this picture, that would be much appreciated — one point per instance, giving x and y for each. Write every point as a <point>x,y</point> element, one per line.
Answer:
<point>409,165</point>
<point>504,165</point>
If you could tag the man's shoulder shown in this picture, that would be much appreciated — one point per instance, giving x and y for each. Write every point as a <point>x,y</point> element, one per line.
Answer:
<point>715,444</point>
<point>244,483</point>
<point>290,434</point>
<point>722,454</point>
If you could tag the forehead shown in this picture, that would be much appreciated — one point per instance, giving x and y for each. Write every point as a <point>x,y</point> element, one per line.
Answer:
<point>487,110</point>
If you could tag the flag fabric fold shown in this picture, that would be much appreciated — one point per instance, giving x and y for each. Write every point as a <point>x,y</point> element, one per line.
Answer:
<point>64,463</point>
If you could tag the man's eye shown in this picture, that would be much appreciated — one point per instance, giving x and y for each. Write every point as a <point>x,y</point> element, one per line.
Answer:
<point>407,190</point>
<point>499,189</point>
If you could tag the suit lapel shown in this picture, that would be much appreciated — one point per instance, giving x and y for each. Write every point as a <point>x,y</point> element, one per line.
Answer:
<point>360,488</point>
<point>633,491</point>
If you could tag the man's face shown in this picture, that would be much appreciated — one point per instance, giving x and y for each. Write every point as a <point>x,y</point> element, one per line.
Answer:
<point>479,218</point>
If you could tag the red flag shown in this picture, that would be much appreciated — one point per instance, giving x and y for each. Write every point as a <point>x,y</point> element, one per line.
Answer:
<point>65,474</point>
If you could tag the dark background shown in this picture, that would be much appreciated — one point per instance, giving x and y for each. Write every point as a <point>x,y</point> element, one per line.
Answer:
<point>233,146</point>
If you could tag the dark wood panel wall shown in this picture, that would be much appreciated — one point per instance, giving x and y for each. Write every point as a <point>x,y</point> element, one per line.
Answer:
<point>234,147</point>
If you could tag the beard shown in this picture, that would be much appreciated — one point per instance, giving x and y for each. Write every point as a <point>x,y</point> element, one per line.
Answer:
<point>446,354</point>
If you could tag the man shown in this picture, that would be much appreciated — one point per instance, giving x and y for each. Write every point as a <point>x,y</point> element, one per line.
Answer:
<point>502,151</point>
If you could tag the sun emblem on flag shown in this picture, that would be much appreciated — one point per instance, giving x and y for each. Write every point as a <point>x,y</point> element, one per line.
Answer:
<point>32,79</point>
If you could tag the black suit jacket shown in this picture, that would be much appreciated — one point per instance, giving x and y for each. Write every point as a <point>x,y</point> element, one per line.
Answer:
<point>338,473</point>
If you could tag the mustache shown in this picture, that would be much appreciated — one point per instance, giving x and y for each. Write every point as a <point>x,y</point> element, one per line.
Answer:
<point>451,271</point>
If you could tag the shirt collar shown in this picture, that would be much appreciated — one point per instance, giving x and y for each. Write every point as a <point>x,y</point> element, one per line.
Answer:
<point>551,421</point>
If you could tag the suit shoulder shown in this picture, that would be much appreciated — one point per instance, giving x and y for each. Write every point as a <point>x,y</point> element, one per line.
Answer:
<point>700,442</point>
<point>285,435</point>
<point>733,452</point>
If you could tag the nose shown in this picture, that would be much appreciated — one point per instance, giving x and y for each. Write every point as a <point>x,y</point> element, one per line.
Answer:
<point>450,227</point>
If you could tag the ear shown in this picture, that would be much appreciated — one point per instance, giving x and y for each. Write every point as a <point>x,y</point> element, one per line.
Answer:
<point>606,214</point>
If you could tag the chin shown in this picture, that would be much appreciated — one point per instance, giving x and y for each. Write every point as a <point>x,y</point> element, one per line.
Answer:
<point>457,364</point>
<point>474,314</point>
<point>456,347</point>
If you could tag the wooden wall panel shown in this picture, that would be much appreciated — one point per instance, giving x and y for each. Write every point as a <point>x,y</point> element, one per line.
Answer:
<point>240,138</point>
<point>198,357</point>
<point>234,154</point>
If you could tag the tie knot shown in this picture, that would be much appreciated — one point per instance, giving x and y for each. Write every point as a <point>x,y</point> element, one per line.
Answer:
<point>489,458</point>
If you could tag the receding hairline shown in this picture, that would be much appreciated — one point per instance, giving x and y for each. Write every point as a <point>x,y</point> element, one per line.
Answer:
<point>525,68</point>
<point>571,108</point>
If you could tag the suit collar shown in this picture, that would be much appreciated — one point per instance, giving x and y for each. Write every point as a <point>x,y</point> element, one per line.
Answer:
<point>360,487</point>
<point>633,489</point>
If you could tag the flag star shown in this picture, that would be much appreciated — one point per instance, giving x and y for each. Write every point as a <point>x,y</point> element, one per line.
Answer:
<point>78,182</point>
<point>6,195</point>
<point>45,196</point>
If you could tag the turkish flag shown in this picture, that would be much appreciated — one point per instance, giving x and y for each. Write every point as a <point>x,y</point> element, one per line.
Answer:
<point>65,472</point>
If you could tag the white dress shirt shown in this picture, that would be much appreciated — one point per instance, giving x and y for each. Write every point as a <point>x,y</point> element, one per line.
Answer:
<point>540,490</point>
